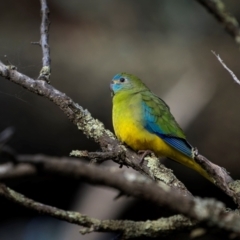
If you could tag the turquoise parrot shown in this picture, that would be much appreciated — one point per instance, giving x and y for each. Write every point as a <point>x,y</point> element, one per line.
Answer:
<point>144,122</point>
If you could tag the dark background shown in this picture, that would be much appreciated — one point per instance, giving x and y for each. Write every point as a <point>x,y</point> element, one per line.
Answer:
<point>167,44</point>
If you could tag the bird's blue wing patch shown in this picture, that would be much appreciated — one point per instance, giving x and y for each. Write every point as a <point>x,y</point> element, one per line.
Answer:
<point>178,143</point>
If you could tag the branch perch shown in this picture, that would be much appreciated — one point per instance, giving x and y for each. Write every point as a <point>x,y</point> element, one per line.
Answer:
<point>95,129</point>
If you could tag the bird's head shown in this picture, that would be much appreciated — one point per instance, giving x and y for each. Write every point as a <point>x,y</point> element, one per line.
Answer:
<point>126,82</point>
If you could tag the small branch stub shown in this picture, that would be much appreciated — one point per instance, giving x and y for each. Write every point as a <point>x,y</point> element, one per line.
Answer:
<point>45,74</point>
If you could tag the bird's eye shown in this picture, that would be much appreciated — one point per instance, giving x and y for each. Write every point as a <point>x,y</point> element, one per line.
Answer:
<point>122,79</point>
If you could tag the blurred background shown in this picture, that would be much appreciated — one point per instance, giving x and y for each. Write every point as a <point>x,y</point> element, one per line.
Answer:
<point>168,45</point>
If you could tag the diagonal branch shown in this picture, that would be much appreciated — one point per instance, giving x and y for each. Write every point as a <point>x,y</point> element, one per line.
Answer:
<point>234,77</point>
<point>94,129</point>
<point>220,176</point>
<point>230,23</point>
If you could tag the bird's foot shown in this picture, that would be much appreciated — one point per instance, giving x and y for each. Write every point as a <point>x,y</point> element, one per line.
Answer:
<point>195,152</point>
<point>144,154</point>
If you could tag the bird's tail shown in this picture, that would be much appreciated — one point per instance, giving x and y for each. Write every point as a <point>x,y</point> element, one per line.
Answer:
<point>190,162</point>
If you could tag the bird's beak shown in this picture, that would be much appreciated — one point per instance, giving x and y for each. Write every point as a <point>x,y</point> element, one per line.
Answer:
<point>112,83</point>
<point>111,87</point>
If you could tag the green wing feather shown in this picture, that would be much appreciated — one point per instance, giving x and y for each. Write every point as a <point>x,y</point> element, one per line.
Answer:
<point>158,119</point>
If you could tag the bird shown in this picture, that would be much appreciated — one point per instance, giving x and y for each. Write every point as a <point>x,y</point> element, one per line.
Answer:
<point>143,121</point>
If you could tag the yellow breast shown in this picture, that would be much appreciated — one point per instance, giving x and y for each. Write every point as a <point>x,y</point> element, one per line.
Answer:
<point>129,128</point>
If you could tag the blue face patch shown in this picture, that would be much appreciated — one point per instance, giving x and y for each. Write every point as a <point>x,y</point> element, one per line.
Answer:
<point>120,82</point>
<point>116,87</point>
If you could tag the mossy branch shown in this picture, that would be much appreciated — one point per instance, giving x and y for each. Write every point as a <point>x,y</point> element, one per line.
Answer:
<point>208,211</point>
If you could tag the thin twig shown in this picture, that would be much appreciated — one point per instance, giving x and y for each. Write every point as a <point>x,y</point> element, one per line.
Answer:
<point>44,30</point>
<point>230,23</point>
<point>229,70</point>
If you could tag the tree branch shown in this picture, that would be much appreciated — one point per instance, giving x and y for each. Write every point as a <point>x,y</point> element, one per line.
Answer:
<point>220,176</point>
<point>130,229</point>
<point>45,72</point>
<point>236,80</point>
<point>94,129</point>
<point>13,171</point>
<point>217,8</point>
<point>203,210</point>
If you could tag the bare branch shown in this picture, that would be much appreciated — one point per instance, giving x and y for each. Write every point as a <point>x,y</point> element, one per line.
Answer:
<point>217,8</point>
<point>203,210</point>
<point>23,170</point>
<point>129,229</point>
<point>220,176</point>
<point>44,29</point>
<point>229,70</point>
<point>95,157</point>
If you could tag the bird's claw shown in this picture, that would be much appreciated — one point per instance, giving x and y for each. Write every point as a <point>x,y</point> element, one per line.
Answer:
<point>144,154</point>
<point>195,152</point>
